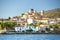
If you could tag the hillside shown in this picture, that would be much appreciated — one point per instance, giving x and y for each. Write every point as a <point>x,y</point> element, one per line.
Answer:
<point>54,13</point>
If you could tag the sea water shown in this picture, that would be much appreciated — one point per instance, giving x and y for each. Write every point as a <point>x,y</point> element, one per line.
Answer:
<point>29,36</point>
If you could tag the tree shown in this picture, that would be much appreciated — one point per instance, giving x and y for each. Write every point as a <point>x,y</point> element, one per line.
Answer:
<point>51,26</point>
<point>31,24</point>
<point>58,24</point>
<point>22,14</point>
<point>0,27</point>
<point>9,25</point>
<point>35,25</point>
<point>38,23</point>
<point>9,18</point>
<point>29,30</point>
<point>47,29</point>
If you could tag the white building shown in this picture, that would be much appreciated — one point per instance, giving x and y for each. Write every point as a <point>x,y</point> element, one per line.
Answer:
<point>43,27</point>
<point>37,28</point>
<point>19,29</point>
<point>58,19</point>
<point>44,20</point>
<point>52,21</point>
<point>30,20</point>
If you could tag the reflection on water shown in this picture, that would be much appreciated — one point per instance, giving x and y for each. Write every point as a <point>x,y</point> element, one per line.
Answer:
<point>29,37</point>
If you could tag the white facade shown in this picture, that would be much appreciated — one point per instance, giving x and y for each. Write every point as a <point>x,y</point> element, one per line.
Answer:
<point>30,20</point>
<point>19,29</point>
<point>58,19</point>
<point>52,21</point>
<point>45,21</point>
<point>41,12</point>
<point>43,27</point>
<point>37,28</point>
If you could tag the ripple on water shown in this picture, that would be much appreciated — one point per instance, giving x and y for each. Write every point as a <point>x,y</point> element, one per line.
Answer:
<point>29,37</point>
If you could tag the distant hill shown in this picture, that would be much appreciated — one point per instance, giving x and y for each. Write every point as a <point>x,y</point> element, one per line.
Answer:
<point>54,13</point>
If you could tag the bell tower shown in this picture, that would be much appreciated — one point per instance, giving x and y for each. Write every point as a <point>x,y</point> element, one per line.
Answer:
<point>42,13</point>
<point>32,11</point>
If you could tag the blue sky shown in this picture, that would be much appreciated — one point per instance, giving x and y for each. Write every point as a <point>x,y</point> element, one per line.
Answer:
<point>16,7</point>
